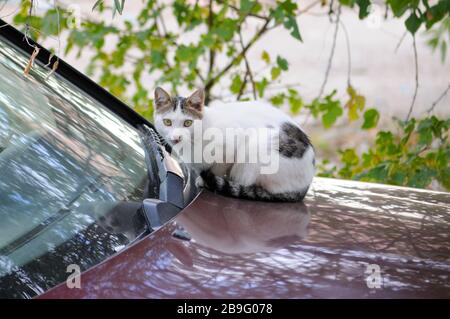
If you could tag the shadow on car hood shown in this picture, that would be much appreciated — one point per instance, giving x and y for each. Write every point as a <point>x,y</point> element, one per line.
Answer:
<point>348,239</point>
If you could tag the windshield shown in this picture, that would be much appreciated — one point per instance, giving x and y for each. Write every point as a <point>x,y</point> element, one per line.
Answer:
<point>72,177</point>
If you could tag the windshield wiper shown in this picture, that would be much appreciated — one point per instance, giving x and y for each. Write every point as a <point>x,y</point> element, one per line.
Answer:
<point>165,179</point>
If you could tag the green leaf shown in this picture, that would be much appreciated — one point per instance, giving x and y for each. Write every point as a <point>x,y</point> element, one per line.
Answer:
<point>368,159</point>
<point>295,101</point>
<point>246,5</point>
<point>363,8</point>
<point>444,177</point>
<point>379,173</point>
<point>288,6</point>
<point>226,29</point>
<point>425,131</point>
<point>443,49</point>
<point>249,6</point>
<point>119,5</point>
<point>282,63</point>
<point>236,84</point>
<point>50,23</point>
<point>384,143</point>
<point>275,72</point>
<point>291,24</point>
<point>97,3</point>
<point>265,57</point>
<point>355,104</point>
<point>398,177</point>
<point>331,110</point>
<point>399,7</point>
<point>371,117</point>
<point>157,58</point>
<point>261,86</point>
<point>184,53</point>
<point>437,13</point>
<point>331,116</point>
<point>421,177</point>
<point>349,157</point>
<point>277,100</point>
<point>348,3</point>
<point>413,23</point>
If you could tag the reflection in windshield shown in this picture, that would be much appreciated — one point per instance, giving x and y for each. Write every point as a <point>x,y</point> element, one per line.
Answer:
<point>67,165</point>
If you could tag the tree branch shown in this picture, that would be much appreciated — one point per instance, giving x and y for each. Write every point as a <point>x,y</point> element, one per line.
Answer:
<point>244,84</point>
<point>416,89</point>
<point>212,54</point>
<point>28,24</point>
<point>222,72</point>
<point>330,9</point>
<point>333,47</point>
<point>161,20</point>
<point>236,9</point>
<point>247,66</point>
<point>300,12</point>
<point>400,41</point>
<point>349,55</point>
<point>431,109</point>
<point>213,80</point>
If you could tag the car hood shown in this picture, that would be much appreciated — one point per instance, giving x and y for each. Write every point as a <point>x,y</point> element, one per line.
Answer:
<point>346,240</point>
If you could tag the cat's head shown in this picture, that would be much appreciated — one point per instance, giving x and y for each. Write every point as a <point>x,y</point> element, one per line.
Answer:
<point>175,117</point>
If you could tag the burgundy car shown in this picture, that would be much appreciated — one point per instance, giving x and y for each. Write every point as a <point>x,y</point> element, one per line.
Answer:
<point>92,206</point>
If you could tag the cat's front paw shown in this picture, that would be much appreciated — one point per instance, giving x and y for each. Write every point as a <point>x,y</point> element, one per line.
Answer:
<point>199,182</point>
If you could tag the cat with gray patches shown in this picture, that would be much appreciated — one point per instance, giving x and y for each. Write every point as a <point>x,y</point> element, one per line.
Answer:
<point>176,117</point>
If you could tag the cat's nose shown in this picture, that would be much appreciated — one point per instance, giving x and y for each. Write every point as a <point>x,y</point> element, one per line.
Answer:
<point>177,139</point>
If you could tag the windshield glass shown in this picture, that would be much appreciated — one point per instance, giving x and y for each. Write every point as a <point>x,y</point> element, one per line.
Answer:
<point>72,177</point>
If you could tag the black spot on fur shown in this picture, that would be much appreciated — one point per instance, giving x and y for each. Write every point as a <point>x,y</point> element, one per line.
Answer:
<point>293,141</point>
<point>228,187</point>
<point>179,101</point>
<point>182,102</point>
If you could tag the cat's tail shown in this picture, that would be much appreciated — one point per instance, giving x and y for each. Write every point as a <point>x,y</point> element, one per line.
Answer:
<point>253,192</point>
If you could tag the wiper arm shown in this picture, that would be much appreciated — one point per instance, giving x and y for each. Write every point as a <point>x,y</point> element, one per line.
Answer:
<point>168,177</point>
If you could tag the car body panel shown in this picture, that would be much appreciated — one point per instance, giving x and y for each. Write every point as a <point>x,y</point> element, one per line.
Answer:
<point>347,240</point>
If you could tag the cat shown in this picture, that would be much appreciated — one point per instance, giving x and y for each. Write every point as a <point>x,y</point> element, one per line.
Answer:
<point>178,118</point>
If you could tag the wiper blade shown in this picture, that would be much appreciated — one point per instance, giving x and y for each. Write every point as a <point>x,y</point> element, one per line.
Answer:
<point>151,148</point>
<point>168,177</point>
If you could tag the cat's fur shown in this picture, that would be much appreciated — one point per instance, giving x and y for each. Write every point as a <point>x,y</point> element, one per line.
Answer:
<point>294,151</point>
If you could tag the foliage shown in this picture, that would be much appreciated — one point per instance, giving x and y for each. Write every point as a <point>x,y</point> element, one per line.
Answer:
<point>439,38</point>
<point>215,57</point>
<point>414,157</point>
<point>418,12</point>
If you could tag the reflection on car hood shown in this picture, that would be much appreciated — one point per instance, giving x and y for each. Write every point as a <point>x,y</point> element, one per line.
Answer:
<point>348,239</point>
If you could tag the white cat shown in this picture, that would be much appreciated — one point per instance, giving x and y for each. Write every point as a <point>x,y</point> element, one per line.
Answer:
<point>177,118</point>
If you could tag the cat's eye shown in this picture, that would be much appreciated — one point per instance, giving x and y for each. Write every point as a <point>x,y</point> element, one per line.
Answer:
<point>187,123</point>
<point>167,122</point>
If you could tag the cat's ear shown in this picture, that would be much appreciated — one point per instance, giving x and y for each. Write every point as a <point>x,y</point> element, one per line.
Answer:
<point>197,100</point>
<point>162,99</point>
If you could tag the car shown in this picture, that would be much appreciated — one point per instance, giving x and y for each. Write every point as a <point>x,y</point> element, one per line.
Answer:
<point>92,205</point>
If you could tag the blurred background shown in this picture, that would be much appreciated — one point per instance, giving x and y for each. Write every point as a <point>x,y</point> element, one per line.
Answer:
<point>366,79</point>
